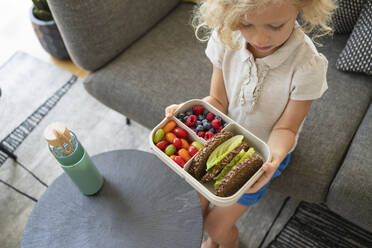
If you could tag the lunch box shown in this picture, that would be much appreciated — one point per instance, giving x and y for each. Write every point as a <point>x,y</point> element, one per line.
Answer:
<point>206,189</point>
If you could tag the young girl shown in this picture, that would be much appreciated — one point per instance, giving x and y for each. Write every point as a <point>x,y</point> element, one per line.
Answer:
<point>266,73</point>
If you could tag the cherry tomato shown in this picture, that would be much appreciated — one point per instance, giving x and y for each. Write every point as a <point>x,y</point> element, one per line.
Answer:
<point>162,144</point>
<point>192,150</point>
<point>180,132</point>
<point>185,144</point>
<point>169,137</point>
<point>184,154</point>
<point>180,161</point>
<point>170,150</point>
<point>169,126</point>
<point>177,143</point>
<point>158,135</point>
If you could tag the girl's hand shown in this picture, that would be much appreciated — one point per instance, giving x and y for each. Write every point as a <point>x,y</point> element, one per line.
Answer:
<point>269,168</point>
<point>169,111</point>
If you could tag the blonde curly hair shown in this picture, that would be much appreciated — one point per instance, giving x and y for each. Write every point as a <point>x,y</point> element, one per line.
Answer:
<point>225,15</point>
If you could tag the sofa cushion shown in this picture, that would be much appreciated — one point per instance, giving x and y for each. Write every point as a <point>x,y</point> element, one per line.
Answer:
<point>350,193</point>
<point>166,66</point>
<point>96,31</point>
<point>327,131</point>
<point>346,15</point>
<point>357,54</point>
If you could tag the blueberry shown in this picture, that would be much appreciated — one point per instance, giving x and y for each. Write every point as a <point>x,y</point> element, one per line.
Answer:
<point>198,123</point>
<point>218,117</point>
<point>206,126</point>
<point>189,112</point>
<point>199,128</point>
<point>205,112</point>
<point>201,117</point>
<point>180,116</point>
<point>225,124</point>
<point>205,121</point>
<point>185,118</point>
<point>212,130</point>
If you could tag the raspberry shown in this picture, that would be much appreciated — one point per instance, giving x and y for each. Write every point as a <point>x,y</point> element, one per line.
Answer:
<point>191,120</point>
<point>208,135</point>
<point>216,123</point>
<point>210,116</point>
<point>201,134</point>
<point>198,110</point>
<point>219,129</point>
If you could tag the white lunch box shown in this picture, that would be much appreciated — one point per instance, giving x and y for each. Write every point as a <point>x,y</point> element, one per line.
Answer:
<point>206,189</point>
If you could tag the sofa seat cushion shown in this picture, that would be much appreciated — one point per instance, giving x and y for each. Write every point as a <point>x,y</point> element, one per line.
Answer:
<point>350,194</point>
<point>166,66</point>
<point>328,129</point>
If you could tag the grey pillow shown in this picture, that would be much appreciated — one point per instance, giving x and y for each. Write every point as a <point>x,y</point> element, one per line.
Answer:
<point>357,54</point>
<point>346,15</point>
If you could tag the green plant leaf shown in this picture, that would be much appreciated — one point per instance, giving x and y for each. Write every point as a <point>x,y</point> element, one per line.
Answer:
<point>222,150</point>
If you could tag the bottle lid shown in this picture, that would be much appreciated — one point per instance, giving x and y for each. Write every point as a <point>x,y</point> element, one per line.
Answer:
<point>57,134</point>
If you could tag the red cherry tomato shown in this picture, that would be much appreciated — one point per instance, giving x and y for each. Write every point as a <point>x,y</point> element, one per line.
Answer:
<point>180,133</point>
<point>192,150</point>
<point>177,143</point>
<point>162,144</point>
<point>180,161</point>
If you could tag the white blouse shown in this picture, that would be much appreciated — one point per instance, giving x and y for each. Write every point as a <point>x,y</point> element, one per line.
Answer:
<point>258,89</point>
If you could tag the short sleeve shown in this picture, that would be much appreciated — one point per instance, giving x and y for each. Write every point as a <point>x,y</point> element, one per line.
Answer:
<point>309,81</point>
<point>215,50</point>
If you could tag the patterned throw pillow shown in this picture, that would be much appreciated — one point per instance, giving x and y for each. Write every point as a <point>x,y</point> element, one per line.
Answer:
<point>357,54</point>
<point>346,15</point>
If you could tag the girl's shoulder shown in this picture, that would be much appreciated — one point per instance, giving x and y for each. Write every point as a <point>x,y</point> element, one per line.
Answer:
<point>306,53</point>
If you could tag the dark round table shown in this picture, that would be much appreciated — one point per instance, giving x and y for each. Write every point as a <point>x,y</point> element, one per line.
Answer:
<point>142,203</point>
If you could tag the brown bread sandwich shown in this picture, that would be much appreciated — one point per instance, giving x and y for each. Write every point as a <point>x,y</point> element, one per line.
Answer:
<point>227,161</point>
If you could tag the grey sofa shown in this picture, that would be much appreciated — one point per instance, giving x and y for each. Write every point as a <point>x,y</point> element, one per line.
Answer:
<point>144,56</point>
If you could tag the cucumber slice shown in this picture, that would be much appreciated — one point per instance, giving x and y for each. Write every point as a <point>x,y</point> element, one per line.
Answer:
<point>222,150</point>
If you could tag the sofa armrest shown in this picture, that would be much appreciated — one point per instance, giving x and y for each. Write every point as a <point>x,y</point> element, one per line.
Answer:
<point>350,194</point>
<point>95,32</point>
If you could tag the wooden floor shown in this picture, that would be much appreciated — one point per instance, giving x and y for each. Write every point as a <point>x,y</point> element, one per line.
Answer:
<point>17,34</point>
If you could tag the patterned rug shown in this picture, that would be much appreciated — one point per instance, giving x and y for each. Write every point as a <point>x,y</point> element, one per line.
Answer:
<point>27,96</point>
<point>20,133</point>
<point>314,225</point>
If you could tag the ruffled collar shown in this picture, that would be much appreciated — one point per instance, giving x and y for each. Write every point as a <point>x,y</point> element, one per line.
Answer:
<point>251,88</point>
<point>280,55</point>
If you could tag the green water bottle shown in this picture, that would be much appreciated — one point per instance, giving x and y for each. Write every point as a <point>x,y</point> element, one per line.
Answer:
<point>74,159</point>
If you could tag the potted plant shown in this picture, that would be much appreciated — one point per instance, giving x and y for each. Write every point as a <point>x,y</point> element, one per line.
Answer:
<point>46,30</point>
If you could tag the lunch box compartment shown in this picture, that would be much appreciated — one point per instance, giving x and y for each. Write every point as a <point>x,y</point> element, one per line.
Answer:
<point>162,155</point>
